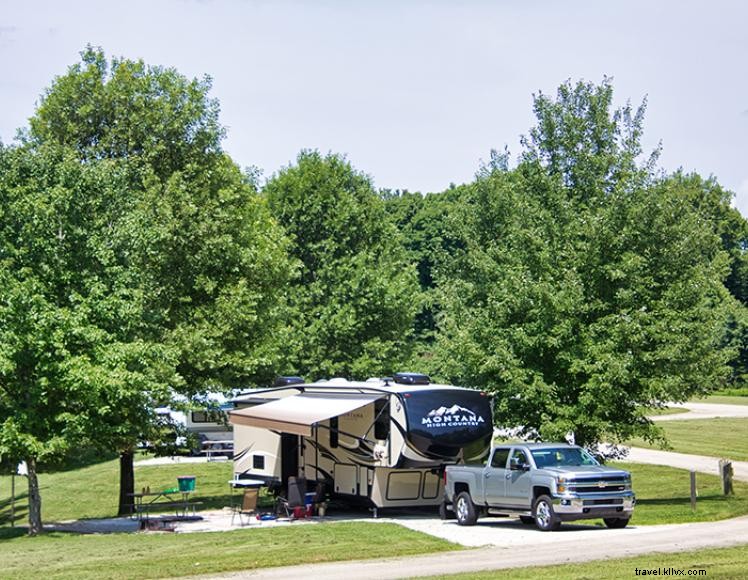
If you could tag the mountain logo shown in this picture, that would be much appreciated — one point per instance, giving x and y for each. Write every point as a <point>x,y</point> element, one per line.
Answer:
<point>454,416</point>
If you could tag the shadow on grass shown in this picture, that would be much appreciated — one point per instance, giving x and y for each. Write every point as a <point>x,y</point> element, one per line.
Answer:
<point>680,500</point>
<point>21,509</point>
<point>83,458</point>
<point>8,533</point>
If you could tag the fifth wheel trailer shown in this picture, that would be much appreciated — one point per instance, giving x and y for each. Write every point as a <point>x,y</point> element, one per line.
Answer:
<point>383,442</point>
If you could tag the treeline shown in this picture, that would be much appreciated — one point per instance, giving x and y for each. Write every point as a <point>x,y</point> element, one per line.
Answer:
<point>138,263</point>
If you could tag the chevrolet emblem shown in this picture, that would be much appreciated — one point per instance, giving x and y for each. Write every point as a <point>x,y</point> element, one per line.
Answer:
<point>600,484</point>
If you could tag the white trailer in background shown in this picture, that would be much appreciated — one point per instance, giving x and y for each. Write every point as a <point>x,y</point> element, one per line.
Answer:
<point>384,442</point>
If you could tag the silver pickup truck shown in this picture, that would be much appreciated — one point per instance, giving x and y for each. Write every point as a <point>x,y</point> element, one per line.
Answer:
<point>542,483</point>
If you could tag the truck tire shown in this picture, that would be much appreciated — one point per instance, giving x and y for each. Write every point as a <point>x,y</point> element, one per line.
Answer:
<point>465,510</point>
<point>444,513</point>
<point>545,518</point>
<point>616,523</point>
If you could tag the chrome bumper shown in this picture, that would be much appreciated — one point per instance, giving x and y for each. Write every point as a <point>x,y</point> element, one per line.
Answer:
<point>593,506</point>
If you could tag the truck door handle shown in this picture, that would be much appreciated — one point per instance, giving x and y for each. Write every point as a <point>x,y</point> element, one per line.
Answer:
<point>508,475</point>
<point>486,475</point>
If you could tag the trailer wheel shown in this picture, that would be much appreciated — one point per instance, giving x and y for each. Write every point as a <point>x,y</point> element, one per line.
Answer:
<point>545,518</point>
<point>444,513</point>
<point>465,510</point>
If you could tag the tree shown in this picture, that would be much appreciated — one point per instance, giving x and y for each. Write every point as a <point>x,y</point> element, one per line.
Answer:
<point>352,305</point>
<point>714,204</point>
<point>179,260</point>
<point>428,227</point>
<point>58,302</point>
<point>590,291</point>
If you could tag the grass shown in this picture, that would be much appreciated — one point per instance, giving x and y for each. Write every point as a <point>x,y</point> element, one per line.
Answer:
<point>718,563</point>
<point>724,437</point>
<point>723,400</point>
<point>663,496</point>
<point>131,556</point>
<point>93,491</point>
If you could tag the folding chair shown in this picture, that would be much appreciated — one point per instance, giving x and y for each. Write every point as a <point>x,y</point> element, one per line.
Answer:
<point>296,491</point>
<point>248,506</point>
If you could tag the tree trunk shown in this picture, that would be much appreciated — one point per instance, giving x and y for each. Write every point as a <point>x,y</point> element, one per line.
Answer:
<point>126,482</point>
<point>35,500</point>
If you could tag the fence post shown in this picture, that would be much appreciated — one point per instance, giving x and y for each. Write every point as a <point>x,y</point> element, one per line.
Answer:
<point>693,490</point>
<point>725,472</point>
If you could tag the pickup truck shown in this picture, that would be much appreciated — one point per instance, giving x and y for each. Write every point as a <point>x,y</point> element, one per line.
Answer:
<point>542,483</point>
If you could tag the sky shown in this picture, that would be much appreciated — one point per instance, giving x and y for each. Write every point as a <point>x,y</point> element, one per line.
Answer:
<point>414,93</point>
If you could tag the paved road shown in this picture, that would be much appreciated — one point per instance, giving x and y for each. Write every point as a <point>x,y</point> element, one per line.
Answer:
<point>698,463</point>
<point>571,545</point>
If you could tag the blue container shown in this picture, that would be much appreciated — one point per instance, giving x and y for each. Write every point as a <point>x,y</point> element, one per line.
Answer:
<point>186,483</point>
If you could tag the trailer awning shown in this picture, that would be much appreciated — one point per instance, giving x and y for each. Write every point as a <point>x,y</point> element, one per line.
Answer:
<point>297,414</point>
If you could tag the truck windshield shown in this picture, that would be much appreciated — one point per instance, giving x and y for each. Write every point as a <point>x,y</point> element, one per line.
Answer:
<point>562,456</point>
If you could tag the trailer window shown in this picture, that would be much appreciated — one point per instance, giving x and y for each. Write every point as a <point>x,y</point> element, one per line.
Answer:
<point>208,417</point>
<point>382,419</point>
<point>334,432</point>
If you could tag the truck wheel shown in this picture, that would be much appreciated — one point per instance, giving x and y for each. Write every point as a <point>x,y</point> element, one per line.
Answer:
<point>444,513</point>
<point>616,523</point>
<point>545,517</point>
<point>465,510</point>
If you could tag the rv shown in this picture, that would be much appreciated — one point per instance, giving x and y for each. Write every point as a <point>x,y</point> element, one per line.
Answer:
<point>383,442</point>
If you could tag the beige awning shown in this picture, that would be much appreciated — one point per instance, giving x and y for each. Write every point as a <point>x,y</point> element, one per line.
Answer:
<point>297,414</point>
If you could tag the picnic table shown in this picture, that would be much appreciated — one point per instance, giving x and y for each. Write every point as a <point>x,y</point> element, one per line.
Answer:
<point>147,502</point>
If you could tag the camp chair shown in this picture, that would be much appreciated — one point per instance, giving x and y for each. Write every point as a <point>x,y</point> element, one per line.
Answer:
<point>296,491</point>
<point>248,506</point>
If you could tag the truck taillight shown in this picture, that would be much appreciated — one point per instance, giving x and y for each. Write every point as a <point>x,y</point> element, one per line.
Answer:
<point>444,477</point>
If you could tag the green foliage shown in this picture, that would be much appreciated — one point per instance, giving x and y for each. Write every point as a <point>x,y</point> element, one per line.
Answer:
<point>589,291</point>
<point>127,110</point>
<point>353,301</point>
<point>430,239</point>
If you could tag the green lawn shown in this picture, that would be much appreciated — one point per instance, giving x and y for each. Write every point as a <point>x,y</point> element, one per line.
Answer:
<point>714,437</point>
<point>120,556</point>
<point>719,563</point>
<point>92,492</point>
<point>723,400</point>
<point>663,496</point>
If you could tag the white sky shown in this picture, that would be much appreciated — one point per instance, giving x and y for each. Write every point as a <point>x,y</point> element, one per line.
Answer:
<point>415,93</point>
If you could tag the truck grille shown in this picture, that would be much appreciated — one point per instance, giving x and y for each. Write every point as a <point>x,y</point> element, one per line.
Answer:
<point>599,485</point>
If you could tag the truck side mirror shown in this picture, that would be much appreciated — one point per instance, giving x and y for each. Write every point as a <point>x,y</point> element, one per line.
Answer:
<point>515,465</point>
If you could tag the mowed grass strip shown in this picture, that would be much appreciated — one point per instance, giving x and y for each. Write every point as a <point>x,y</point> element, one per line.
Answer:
<point>663,496</point>
<point>164,555</point>
<point>713,437</point>
<point>718,563</point>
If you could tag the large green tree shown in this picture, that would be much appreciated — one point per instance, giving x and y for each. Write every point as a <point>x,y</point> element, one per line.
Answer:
<point>352,301</point>
<point>186,264</point>
<point>590,291</point>
<point>62,301</point>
